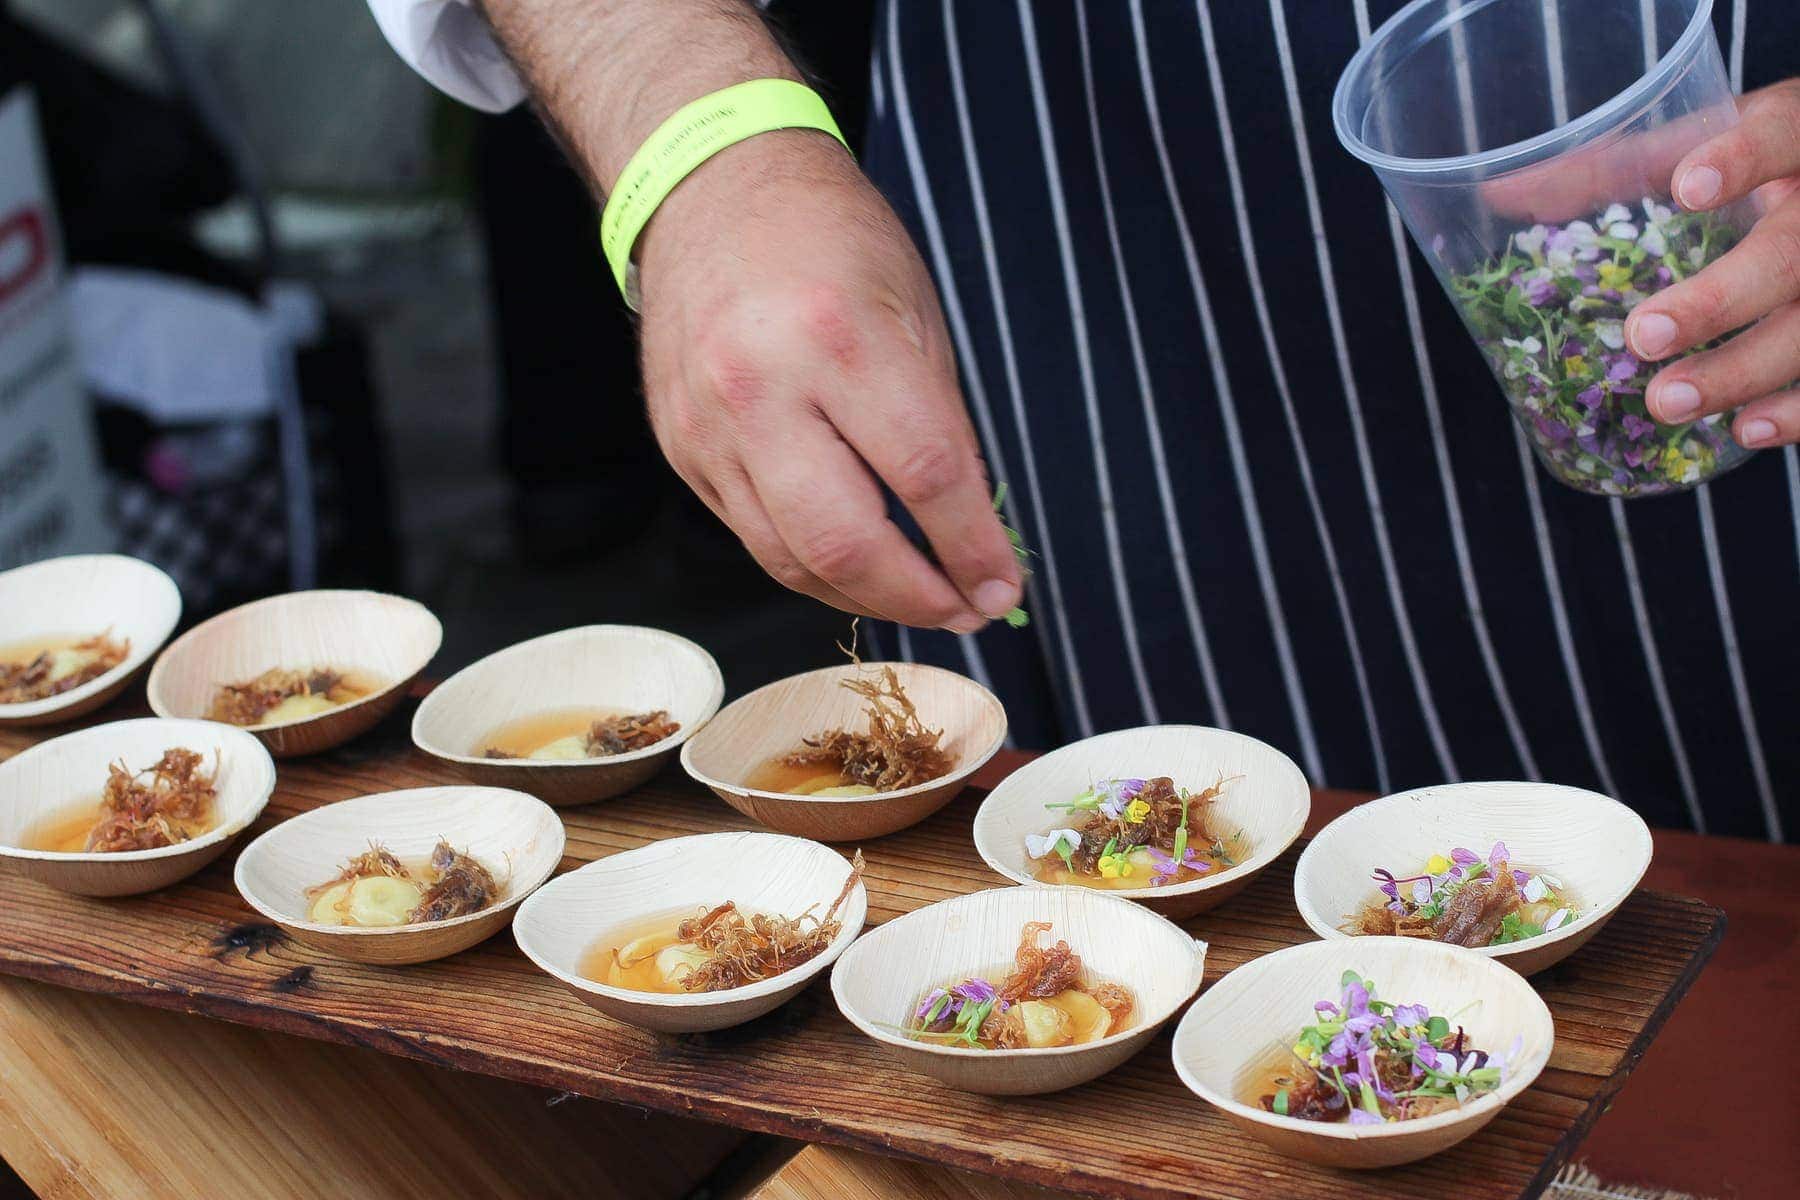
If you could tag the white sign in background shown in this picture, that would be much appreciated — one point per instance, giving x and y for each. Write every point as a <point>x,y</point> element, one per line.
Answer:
<point>50,484</point>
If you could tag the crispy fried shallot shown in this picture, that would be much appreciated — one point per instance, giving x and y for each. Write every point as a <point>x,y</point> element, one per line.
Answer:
<point>741,950</point>
<point>36,678</point>
<point>162,805</point>
<point>897,751</point>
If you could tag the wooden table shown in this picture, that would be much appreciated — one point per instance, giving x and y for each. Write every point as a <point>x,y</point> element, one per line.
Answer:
<point>803,1072</point>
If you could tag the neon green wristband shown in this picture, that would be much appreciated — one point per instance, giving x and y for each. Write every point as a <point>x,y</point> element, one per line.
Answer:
<point>694,134</point>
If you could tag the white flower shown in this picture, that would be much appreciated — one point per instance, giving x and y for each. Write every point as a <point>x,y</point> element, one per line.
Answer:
<point>1038,845</point>
<point>1535,889</point>
<point>1696,257</point>
<point>1655,213</point>
<point>1557,920</point>
<point>1421,892</point>
<point>1529,345</point>
<point>1611,334</point>
<point>1560,260</point>
<point>1625,231</point>
<point>1614,214</point>
<point>1531,240</point>
<point>1584,430</point>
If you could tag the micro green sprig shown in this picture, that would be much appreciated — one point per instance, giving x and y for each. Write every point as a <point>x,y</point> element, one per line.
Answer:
<point>1550,315</point>
<point>1018,618</point>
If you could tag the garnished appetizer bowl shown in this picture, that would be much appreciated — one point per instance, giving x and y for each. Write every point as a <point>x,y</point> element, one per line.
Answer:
<point>1591,850</point>
<point>1261,805</point>
<point>1249,1019</point>
<point>568,926</point>
<point>517,837</point>
<point>622,668</point>
<point>381,641</point>
<point>82,596</point>
<point>881,981</point>
<point>65,776</point>
<point>772,722</point>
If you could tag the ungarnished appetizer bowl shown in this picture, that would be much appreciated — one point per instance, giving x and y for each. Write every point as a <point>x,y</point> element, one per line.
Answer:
<point>517,837</point>
<point>81,596</point>
<point>1264,798</point>
<point>566,926</point>
<point>385,641</point>
<point>1252,1016</point>
<point>61,777</point>
<point>881,981</point>
<point>1594,848</point>
<point>771,722</point>
<point>624,668</point>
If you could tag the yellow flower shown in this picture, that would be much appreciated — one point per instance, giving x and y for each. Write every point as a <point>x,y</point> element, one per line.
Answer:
<point>1574,365</point>
<point>1615,275</point>
<point>1437,864</point>
<point>1136,811</point>
<point>1114,866</point>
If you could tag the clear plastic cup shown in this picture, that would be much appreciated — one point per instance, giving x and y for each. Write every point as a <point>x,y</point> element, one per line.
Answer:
<point>1528,145</point>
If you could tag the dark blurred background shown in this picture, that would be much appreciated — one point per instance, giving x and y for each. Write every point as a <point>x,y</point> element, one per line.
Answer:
<point>462,418</point>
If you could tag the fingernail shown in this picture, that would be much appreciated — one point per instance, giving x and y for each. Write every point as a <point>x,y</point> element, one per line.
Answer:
<point>996,597</point>
<point>1757,431</point>
<point>1651,334</point>
<point>1699,187</point>
<point>967,623</point>
<point>1677,401</point>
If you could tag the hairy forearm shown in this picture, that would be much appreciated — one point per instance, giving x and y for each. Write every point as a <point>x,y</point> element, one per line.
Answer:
<point>606,73</point>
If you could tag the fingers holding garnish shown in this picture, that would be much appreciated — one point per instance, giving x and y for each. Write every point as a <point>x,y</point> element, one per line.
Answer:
<point>1757,276</point>
<point>1763,147</point>
<point>1770,421</point>
<point>1764,358</point>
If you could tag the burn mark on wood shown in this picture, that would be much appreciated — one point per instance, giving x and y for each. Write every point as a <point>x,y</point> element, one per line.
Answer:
<point>249,938</point>
<point>294,980</point>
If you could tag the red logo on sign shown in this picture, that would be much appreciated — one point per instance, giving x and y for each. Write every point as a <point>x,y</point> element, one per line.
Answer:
<point>24,251</point>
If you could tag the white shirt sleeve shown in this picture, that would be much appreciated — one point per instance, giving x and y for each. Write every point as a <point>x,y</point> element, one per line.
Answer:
<point>448,43</point>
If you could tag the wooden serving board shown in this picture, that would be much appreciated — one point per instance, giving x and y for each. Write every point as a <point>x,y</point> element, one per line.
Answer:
<point>803,1071</point>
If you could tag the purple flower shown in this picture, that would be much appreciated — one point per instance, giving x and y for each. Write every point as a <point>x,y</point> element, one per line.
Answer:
<point>1362,1116</point>
<point>1589,442</point>
<point>1586,273</point>
<point>1664,276</point>
<point>1499,854</point>
<point>1636,427</point>
<point>1326,1008</point>
<point>1590,398</point>
<point>975,991</point>
<point>1621,367</point>
<point>1464,857</point>
<point>1117,793</point>
<point>1362,1023</point>
<point>1426,1055</point>
<point>1411,1014</point>
<point>1573,349</point>
<point>931,999</point>
<point>1521,877</point>
<point>1163,867</point>
<point>1542,290</point>
<point>1634,456</point>
<point>1550,429</point>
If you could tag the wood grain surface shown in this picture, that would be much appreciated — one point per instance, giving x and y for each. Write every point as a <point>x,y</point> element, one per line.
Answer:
<point>103,1100</point>
<point>803,1071</point>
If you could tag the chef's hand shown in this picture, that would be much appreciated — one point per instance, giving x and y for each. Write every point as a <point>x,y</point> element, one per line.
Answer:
<point>1757,281</point>
<point>795,359</point>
